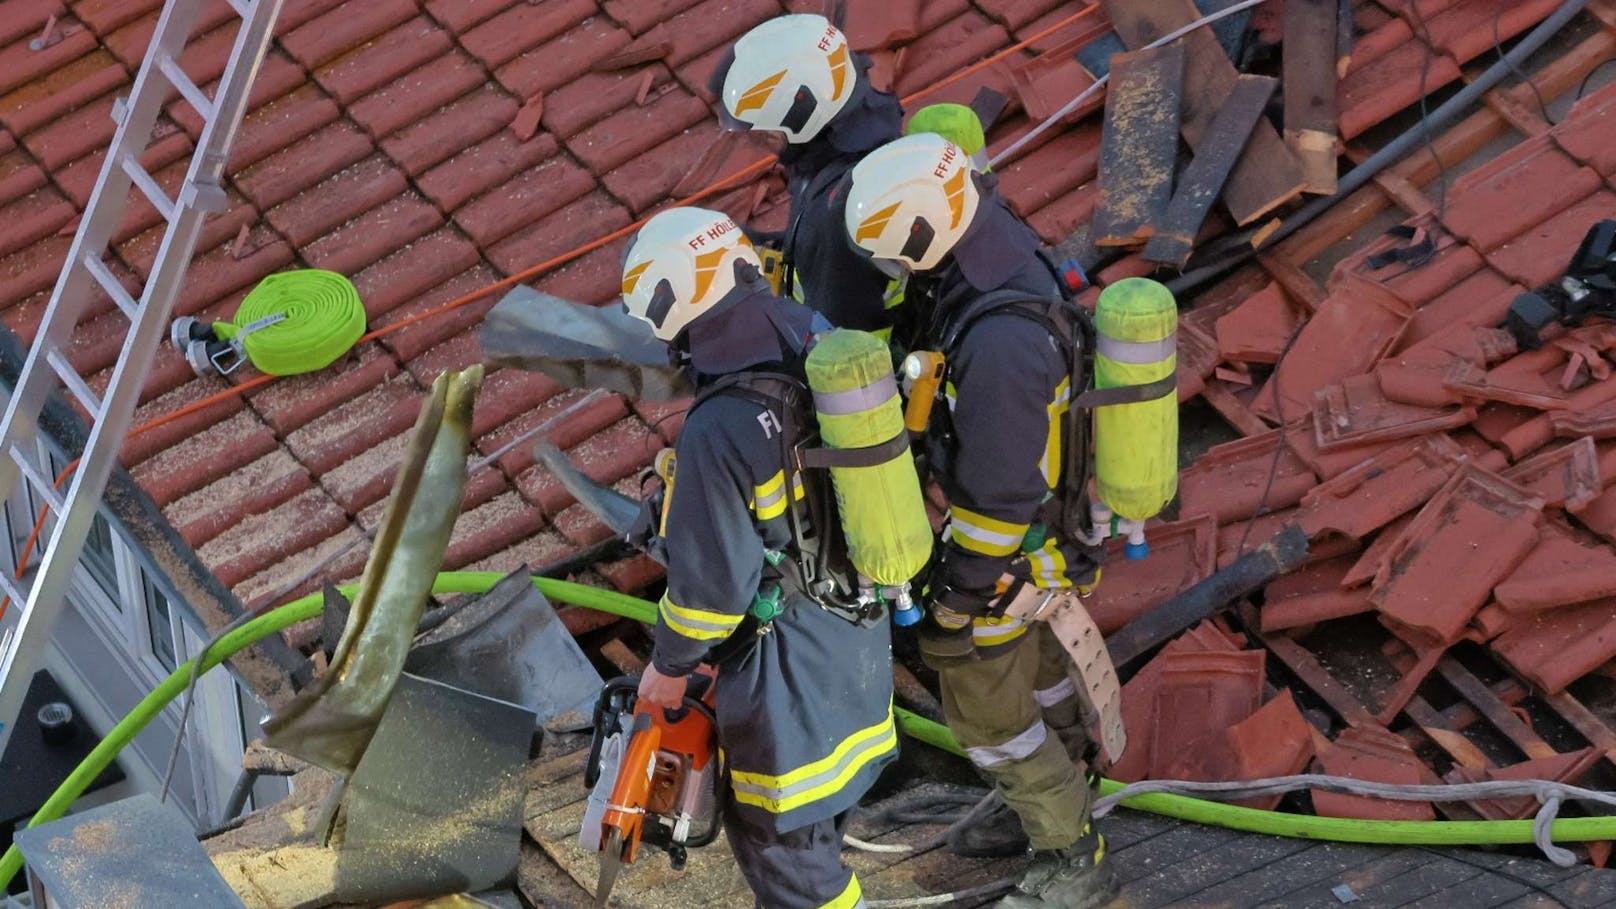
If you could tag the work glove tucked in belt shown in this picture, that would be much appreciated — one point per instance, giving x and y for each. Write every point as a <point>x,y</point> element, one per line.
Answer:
<point>945,635</point>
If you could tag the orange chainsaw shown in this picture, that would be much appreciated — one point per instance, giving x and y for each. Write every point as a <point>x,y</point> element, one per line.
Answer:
<point>655,776</point>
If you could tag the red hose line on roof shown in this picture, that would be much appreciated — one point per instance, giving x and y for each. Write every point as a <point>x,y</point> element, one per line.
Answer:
<point>723,183</point>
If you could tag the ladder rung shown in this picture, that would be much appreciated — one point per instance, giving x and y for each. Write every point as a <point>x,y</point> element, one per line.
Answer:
<point>11,587</point>
<point>42,484</point>
<point>177,76</point>
<point>75,383</point>
<point>154,193</point>
<point>111,285</point>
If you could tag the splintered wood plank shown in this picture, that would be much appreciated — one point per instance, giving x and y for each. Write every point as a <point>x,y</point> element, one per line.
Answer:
<point>1310,89</point>
<point>1138,145</point>
<point>1267,174</point>
<point>1204,179</point>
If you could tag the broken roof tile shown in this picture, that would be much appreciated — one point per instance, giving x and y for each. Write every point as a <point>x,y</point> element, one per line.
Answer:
<point>1418,375</point>
<point>1369,753</point>
<point>1139,696</point>
<point>1444,565</point>
<point>1256,330</point>
<point>1326,465</point>
<point>1047,83</point>
<point>1275,741</point>
<point>1230,481</point>
<point>1198,698</point>
<point>1356,411</point>
<point>1564,568</point>
<point>1312,594</point>
<point>1554,647</point>
<point>1181,553</point>
<point>1355,326</point>
<point>1566,768</point>
<point>1538,430</point>
<point>1369,496</point>
<point>589,97</point>
<point>1566,477</point>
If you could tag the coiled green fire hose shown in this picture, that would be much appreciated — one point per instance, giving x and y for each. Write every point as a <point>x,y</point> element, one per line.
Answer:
<point>296,321</point>
<point>1233,817</point>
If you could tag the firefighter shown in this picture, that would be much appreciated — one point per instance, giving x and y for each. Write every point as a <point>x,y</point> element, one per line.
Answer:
<point>803,697</point>
<point>998,450</point>
<point>795,75</point>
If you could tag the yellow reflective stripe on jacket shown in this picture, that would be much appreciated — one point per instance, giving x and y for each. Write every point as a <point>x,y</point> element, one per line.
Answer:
<point>769,497</point>
<point>1050,463</point>
<point>698,624</point>
<point>824,777</point>
<point>1049,566</point>
<point>982,534</point>
<point>992,632</point>
<point>851,896</point>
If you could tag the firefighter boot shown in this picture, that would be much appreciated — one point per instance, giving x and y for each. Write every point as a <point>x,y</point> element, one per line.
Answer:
<point>999,835</point>
<point>1077,877</point>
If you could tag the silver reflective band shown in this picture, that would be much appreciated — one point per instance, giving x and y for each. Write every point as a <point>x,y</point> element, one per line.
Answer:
<point>1049,697</point>
<point>1019,748</point>
<point>856,400</point>
<point>1137,352</point>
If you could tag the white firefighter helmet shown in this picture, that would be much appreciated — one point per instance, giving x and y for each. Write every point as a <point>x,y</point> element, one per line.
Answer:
<point>911,200</point>
<point>789,75</point>
<point>681,263</point>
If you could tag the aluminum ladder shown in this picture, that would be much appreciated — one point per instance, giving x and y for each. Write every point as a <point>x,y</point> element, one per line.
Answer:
<point>47,368</point>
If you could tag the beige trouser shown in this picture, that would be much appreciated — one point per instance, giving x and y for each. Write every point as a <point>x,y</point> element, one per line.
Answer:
<point>1017,716</point>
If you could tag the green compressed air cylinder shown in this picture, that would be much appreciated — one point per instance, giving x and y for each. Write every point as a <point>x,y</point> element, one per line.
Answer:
<point>1136,445</point>
<point>882,510</point>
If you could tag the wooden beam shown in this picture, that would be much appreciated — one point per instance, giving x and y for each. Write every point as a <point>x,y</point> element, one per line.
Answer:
<point>1236,414</point>
<point>1138,145</point>
<point>1267,175</point>
<point>1297,284</point>
<point>1204,179</point>
<point>1310,88</point>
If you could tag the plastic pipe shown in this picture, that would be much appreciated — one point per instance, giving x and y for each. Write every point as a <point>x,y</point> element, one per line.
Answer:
<point>1201,811</point>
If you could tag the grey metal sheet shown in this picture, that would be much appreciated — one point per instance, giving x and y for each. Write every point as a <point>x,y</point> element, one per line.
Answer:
<point>132,854</point>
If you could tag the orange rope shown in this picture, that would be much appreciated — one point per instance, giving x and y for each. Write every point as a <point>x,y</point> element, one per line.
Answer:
<point>740,176</point>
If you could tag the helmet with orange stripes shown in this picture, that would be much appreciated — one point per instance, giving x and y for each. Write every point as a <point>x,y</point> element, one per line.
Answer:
<point>791,74</point>
<point>911,200</point>
<point>681,263</point>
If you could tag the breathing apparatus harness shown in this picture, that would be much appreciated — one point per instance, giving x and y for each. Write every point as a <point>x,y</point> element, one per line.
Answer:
<point>1072,327</point>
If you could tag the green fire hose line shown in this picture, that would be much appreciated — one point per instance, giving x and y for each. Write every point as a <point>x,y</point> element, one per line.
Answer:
<point>297,321</point>
<point>1233,817</point>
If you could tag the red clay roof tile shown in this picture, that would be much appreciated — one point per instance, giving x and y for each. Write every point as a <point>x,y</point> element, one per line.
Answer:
<point>1392,483</point>
<point>1537,431</point>
<point>639,16</point>
<point>458,125</point>
<point>580,527</point>
<point>939,51</point>
<point>1540,255</point>
<point>1357,411</point>
<point>524,25</point>
<point>1368,753</point>
<point>1479,300</point>
<point>1443,567</point>
<point>254,543</point>
<point>1562,768</point>
<point>1139,696</point>
<point>559,60</point>
<point>1566,477</point>
<point>415,338</point>
<point>272,584</point>
<point>1274,741</point>
<point>577,427</point>
<point>1555,647</point>
<point>493,526</point>
<point>1387,83</point>
<point>29,271</point>
<point>1054,170</point>
<point>253,489</point>
<point>1199,697</point>
<point>528,196</point>
<point>606,456</point>
<point>299,166</point>
<point>1516,191</point>
<point>378,62</point>
<point>586,219</point>
<point>408,273</point>
<point>1466,30</point>
<point>336,200</point>
<point>635,130</point>
<point>357,425</point>
<point>390,226</point>
<point>73,135</point>
<point>18,175</point>
<point>1181,553</point>
<point>1256,330</point>
<point>104,16</point>
<point>417,93</point>
<point>140,446</point>
<point>296,401</point>
<point>1564,568</point>
<point>325,37</point>
<point>45,100</point>
<point>876,25</point>
<point>204,456</point>
<point>1016,13</point>
<point>1230,480</point>
<point>33,217</point>
<point>1452,263</point>
<point>1058,219</point>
